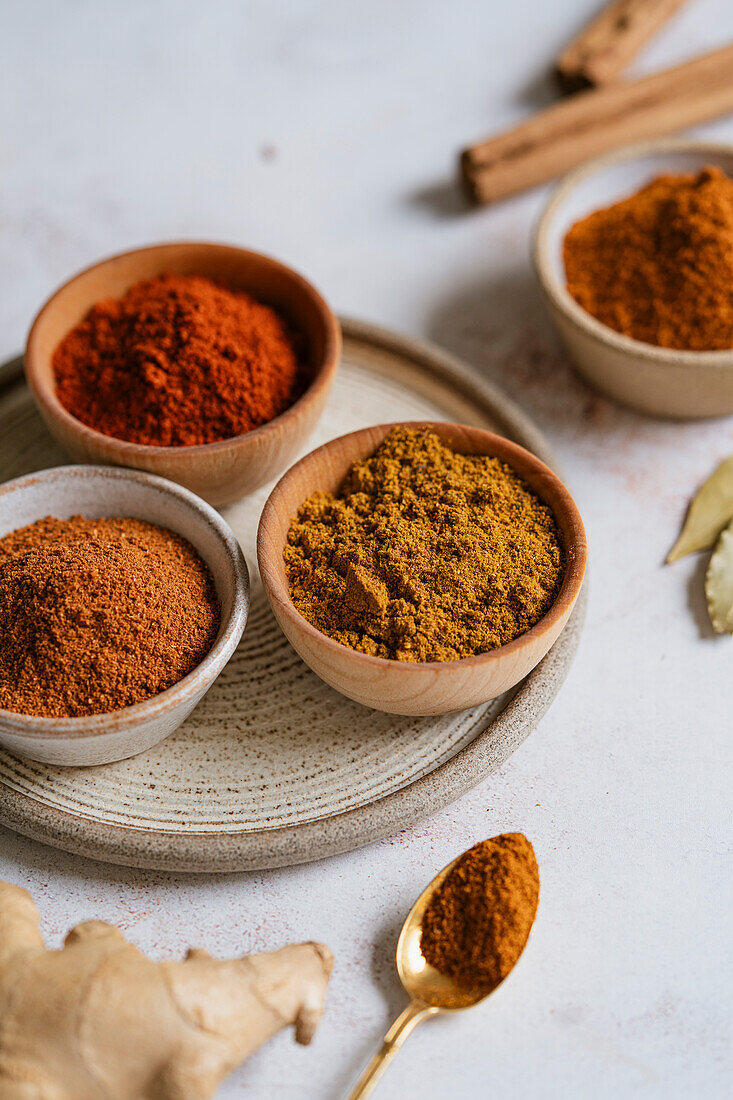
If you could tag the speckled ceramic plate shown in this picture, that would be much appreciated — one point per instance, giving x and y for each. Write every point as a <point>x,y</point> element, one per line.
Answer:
<point>273,767</point>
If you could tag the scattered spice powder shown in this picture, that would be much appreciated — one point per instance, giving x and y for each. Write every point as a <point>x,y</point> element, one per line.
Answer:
<point>98,614</point>
<point>178,360</point>
<point>425,554</point>
<point>659,266</point>
<point>477,922</point>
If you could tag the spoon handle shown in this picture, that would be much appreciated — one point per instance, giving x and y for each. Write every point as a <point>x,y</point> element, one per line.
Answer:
<point>405,1023</point>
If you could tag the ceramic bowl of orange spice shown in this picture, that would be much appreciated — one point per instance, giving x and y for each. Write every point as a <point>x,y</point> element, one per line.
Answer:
<point>122,598</point>
<point>421,568</point>
<point>204,363</point>
<point>634,255</point>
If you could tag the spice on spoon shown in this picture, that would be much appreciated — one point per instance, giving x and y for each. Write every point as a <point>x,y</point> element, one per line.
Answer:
<point>658,266</point>
<point>478,921</point>
<point>425,554</point>
<point>179,360</point>
<point>98,614</point>
<point>470,926</point>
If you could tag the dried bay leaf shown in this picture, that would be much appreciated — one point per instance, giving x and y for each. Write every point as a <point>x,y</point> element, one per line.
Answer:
<point>719,583</point>
<point>711,509</point>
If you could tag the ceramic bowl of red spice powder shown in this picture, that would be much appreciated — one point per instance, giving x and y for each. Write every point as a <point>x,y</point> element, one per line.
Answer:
<point>638,280</point>
<point>204,363</point>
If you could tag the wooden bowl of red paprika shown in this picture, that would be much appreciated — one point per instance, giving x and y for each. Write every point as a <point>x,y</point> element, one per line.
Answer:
<point>228,468</point>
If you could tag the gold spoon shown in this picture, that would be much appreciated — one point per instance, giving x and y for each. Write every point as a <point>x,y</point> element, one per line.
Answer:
<point>430,992</point>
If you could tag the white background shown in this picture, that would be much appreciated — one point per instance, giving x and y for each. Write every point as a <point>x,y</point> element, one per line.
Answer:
<point>326,133</point>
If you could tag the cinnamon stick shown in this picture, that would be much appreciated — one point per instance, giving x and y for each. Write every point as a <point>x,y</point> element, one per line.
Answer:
<point>606,45</point>
<point>592,122</point>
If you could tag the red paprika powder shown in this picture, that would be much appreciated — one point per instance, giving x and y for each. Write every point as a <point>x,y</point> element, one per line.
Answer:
<point>178,360</point>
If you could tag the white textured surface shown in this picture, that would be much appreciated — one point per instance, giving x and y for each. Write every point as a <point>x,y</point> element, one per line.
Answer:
<point>324,133</point>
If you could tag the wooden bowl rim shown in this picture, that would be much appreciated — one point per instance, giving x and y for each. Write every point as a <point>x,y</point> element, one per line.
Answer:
<point>719,360</point>
<point>507,450</point>
<point>44,390</point>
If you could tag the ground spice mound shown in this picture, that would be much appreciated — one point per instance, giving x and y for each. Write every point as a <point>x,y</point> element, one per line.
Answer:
<point>178,361</point>
<point>98,614</point>
<point>659,266</point>
<point>425,555</point>
<point>477,922</point>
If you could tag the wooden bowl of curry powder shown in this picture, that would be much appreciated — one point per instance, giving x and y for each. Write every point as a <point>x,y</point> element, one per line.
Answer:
<point>421,568</point>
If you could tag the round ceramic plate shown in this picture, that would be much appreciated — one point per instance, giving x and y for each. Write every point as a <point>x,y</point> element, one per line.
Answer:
<point>274,767</point>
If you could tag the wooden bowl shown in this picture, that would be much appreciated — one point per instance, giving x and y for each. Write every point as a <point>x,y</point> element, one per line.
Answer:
<point>219,472</point>
<point>405,687</point>
<point>654,380</point>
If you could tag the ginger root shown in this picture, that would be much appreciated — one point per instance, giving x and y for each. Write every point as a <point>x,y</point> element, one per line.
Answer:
<point>98,1020</point>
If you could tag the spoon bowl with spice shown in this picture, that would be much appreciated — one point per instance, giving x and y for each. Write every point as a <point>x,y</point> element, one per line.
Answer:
<point>462,937</point>
<point>122,597</point>
<point>204,363</point>
<point>421,568</point>
<point>634,255</point>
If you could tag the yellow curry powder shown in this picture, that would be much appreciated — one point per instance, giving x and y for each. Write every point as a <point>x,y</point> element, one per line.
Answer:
<point>425,554</point>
